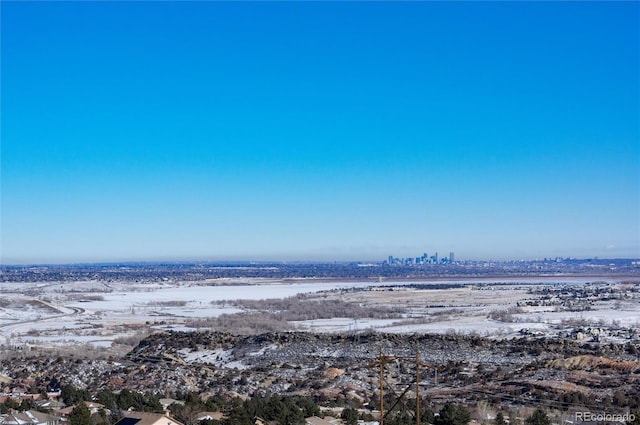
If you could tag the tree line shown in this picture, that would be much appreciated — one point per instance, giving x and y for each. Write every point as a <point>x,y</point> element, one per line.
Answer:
<point>270,408</point>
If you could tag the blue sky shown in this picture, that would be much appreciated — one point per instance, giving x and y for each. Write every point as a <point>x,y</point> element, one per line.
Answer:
<point>319,130</point>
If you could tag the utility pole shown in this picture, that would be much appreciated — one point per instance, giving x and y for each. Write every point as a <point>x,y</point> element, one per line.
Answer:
<point>381,389</point>
<point>417,386</point>
<point>382,360</point>
<point>418,364</point>
<point>388,359</point>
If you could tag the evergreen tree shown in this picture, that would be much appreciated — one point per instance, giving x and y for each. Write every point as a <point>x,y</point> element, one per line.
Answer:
<point>499,419</point>
<point>80,415</point>
<point>106,398</point>
<point>453,414</point>
<point>26,404</point>
<point>426,414</point>
<point>349,416</point>
<point>8,405</point>
<point>147,402</point>
<point>116,413</point>
<point>398,417</point>
<point>308,407</point>
<point>72,395</point>
<point>215,403</point>
<point>539,417</point>
<point>238,413</point>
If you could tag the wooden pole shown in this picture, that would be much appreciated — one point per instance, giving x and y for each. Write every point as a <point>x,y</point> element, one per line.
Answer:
<point>417,386</point>
<point>381,389</point>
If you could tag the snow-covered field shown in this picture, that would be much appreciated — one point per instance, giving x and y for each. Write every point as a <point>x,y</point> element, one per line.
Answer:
<point>97,313</point>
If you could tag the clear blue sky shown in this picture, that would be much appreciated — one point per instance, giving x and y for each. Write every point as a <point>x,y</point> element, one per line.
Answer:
<point>319,130</point>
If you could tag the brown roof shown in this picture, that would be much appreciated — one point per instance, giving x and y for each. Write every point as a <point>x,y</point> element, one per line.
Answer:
<point>144,418</point>
<point>91,405</point>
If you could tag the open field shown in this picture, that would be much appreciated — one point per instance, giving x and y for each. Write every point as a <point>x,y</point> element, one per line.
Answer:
<point>102,314</point>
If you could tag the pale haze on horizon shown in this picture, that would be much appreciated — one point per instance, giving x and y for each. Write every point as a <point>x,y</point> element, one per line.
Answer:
<point>319,131</point>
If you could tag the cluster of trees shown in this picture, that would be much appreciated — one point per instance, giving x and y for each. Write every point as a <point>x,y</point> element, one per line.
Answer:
<point>508,315</point>
<point>274,315</point>
<point>193,404</point>
<point>299,307</point>
<point>11,404</point>
<point>81,415</point>
<point>124,400</point>
<point>281,409</point>
<point>245,323</point>
<point>449,414</point>
<point>539,417</point>
<point>286,410</point>
<point>114,403</point>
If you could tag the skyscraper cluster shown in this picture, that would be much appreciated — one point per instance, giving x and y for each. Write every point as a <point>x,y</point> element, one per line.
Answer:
<point>424,259</point>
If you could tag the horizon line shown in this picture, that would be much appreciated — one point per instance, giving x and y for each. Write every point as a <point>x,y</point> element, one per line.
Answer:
<point>299,261</point>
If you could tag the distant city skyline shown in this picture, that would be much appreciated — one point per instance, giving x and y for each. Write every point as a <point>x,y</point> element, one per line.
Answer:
<point>425,258</point>
<point>318,131</point>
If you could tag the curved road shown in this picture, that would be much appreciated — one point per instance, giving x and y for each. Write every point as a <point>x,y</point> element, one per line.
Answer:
<point>5,327</point>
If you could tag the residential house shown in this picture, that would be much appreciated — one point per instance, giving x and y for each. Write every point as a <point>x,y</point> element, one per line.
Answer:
<point>28,417</point>
<point>50,404</point>
<point>328,420</point>
<point>91,405</point>
<point>144,418</point>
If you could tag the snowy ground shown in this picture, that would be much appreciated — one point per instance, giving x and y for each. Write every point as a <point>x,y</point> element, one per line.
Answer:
<point>97,313</point>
